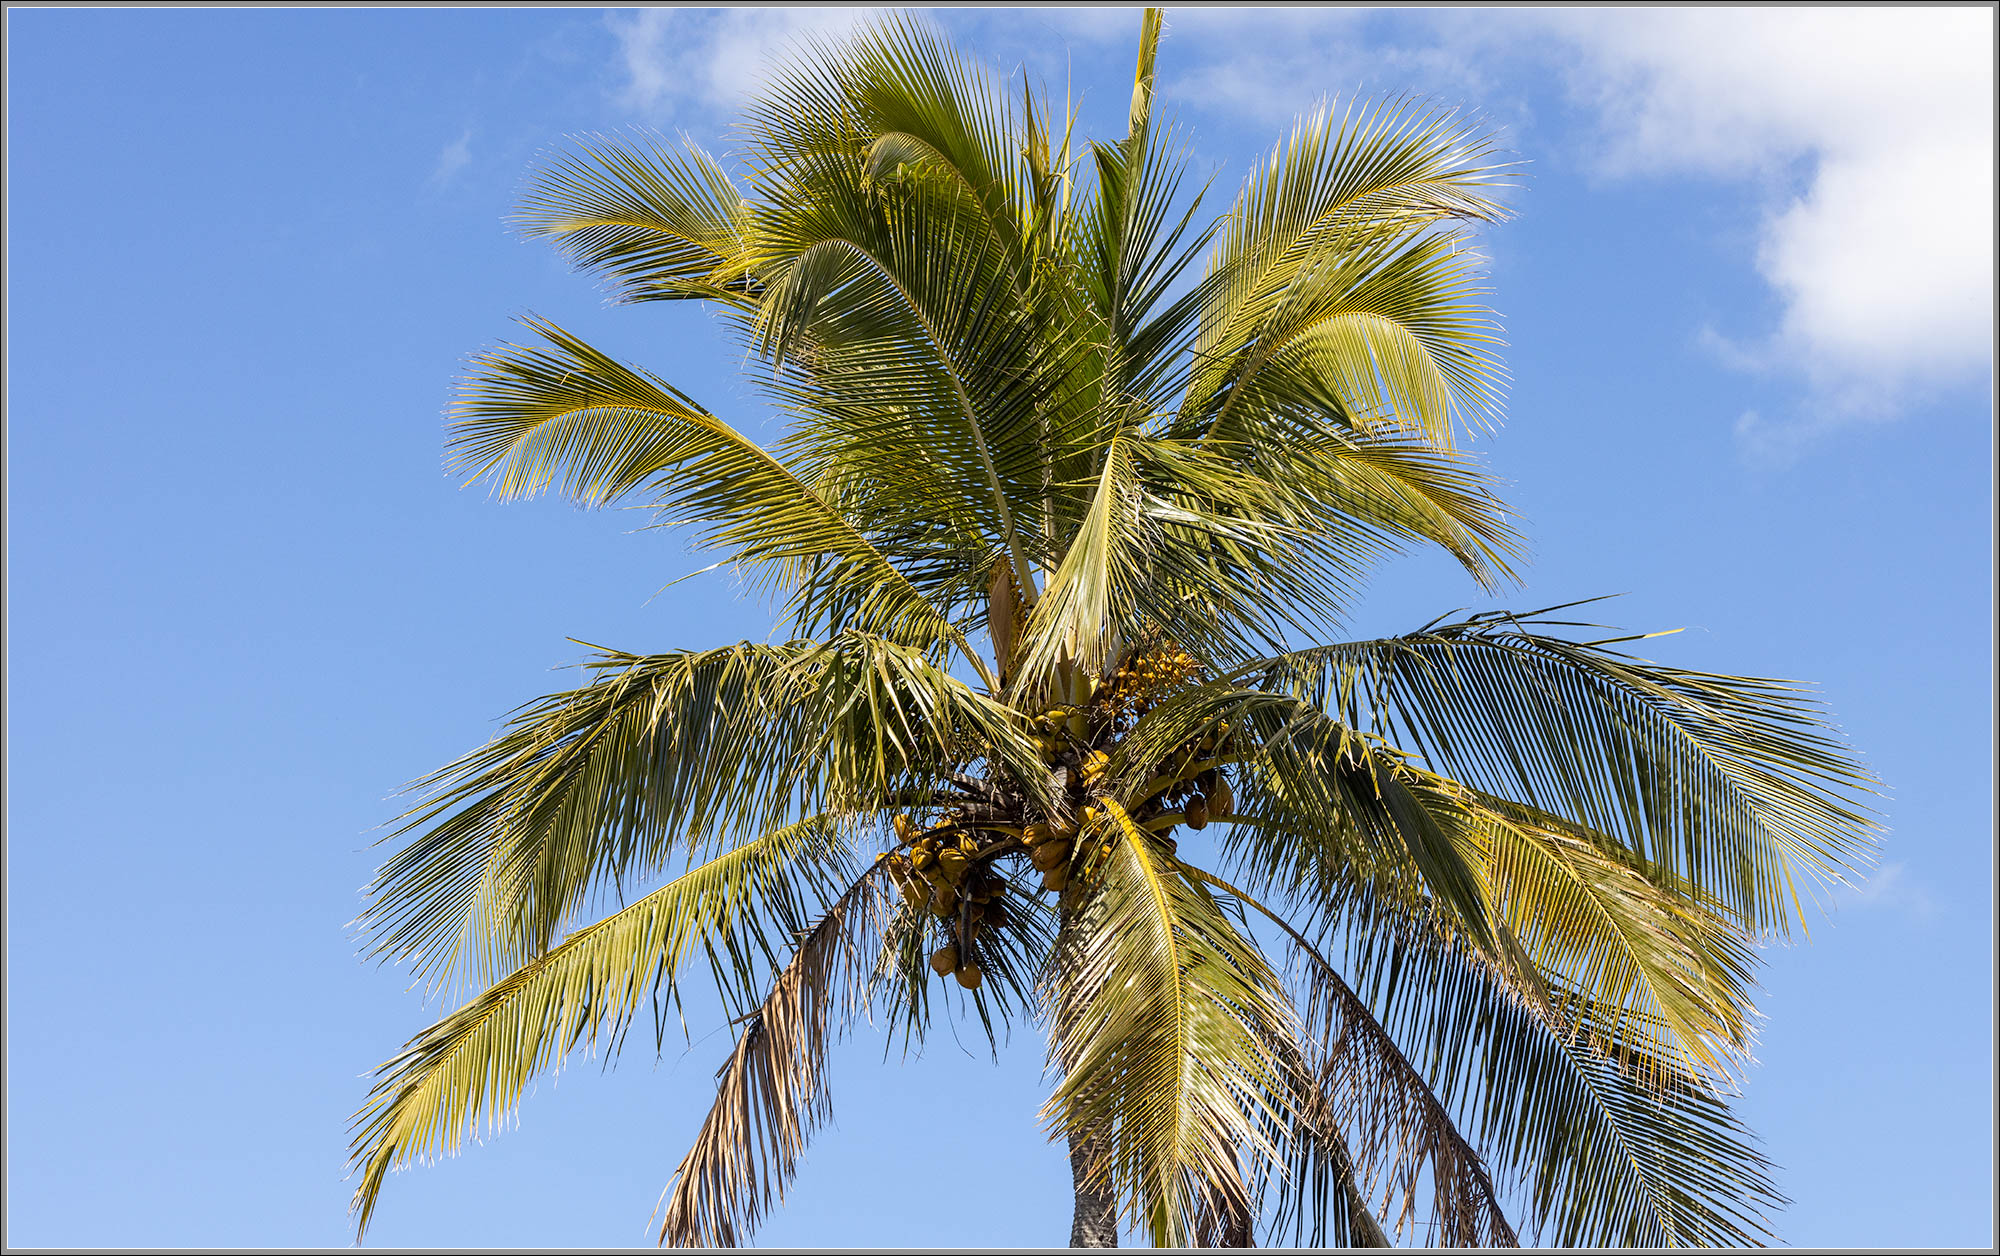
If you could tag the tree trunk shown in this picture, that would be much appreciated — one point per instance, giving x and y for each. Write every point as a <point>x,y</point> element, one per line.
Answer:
<point>1096,1221</point>
<point>1236,1231</point>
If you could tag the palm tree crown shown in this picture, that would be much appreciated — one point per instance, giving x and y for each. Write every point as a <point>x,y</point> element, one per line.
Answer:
<point>1075,486</point>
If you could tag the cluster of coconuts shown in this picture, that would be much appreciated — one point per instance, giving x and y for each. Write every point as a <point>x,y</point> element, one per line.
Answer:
<point>1207,794</point>
<point>944,869</point>
<point>1129,690</point>
<point>943,874</point>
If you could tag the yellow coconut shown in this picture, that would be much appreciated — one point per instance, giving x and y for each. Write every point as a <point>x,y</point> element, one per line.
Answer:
<point>952,863</point>
<point>946,960</point>
<point>1049,855</point>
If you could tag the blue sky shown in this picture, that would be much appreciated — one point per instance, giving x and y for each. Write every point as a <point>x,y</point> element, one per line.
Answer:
<point>1748,298</point>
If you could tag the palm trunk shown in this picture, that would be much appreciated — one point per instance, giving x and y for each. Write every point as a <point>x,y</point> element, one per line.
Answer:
<point>1096,1220</point>
<point>1236,1231</point>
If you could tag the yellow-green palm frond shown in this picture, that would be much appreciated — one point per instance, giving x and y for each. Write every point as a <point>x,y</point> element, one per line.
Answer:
<point>1167,1028</point>
<point>571,415</point>
<point>1366,183</point>
<point>661,225</point>
<point>1390,330</point>
<point>470,1068</point>
<point>602,784</point>
<point>1667,977</point>
<point>1320,803</point>
<point>591,785</point>
<point>1329,808</point>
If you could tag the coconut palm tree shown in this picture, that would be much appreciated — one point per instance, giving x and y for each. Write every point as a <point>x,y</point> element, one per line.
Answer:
<point>1075,490</point>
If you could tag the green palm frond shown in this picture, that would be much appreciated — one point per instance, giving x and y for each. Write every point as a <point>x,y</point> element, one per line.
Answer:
<point>1328,808</point>
<point>573,416</point>
<point>1390,333</point>
<point>1360,1080</point>
<point>664,226</point>
<point>1606,1157</point>
<point>1667,976</point>
<point>597,783</point>
<point>471,1067</point>
<point>1728,784</point>
<point>1320,802</point>
<point>601,784</point>
<point>1367,183</point>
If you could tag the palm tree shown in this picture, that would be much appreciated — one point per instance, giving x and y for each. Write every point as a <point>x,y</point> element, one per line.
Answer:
<point>1058,528</point>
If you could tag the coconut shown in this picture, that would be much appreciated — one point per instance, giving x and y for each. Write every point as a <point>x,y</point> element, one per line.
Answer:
<point>1050,855</point>
<point>946,960</point>
<point>1222,799</point>
<point>968,976</point>
<point>1197,812</point>
<point>952,864</point>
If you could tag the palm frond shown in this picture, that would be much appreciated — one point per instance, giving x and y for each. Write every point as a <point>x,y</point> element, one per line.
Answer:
<point>1361,1081</point>
<point>1320,804</point>
<point>572,415</point>
<point>771,1092</point>
<point>662,225</point>
<point>593,784</point>
<point>1607,1157</point>
<point>1728,784</point>
<point>471,1067</point>
<point>601,784</point>
<point>1367,183</point>
<point>1166,1025</point>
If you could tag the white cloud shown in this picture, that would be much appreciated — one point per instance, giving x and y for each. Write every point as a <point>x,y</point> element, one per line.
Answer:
<point>1864,138</point>
<point>455,157</point>
<point>1883,261</point>
<point>710,57</point>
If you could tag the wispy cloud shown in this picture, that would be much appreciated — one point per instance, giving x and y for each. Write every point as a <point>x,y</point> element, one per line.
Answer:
<point>455,157</point>
<point>672,58</point>
<point>1891,887</point>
